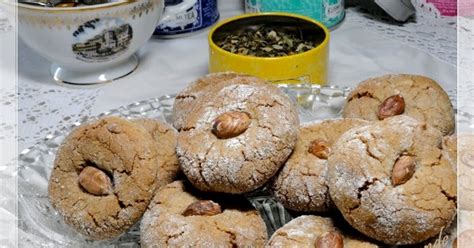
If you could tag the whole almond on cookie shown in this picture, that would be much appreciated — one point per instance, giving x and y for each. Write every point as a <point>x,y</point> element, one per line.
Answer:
<point>394,105</point>
<point>203,207</point>
<point>95,181</point>
<point>329,240</point>
<point>319,148</point>
<point>403,170</point>
<point>230,124</point>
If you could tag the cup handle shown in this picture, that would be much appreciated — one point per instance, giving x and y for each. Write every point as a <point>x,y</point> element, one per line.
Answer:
<point>173,7</point>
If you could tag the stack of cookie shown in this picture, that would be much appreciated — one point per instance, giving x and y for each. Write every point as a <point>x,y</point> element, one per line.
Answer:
<point>385,167</point>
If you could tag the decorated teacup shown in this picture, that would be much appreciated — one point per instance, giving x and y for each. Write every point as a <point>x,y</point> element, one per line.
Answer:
<point>90,44</point>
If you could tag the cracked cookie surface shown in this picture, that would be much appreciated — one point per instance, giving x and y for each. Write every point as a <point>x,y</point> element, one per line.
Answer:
<point>301,184</point>
<point>424,99</point>
<point>165,138</point>
<point>247,161</point>
<point>125,152</point>
<point>164,225</point>
<point>186,100</point>
<point>304,230</point>
<point>359,177</point>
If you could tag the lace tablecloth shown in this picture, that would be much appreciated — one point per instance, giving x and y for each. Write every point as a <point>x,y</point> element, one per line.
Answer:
<point>44,107</point>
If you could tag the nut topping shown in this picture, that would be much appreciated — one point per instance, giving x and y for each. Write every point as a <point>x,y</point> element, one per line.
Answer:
<point>95,181</point>
<point>319,148</point>
<point>203,207</point>
<point>394,105</point>
<point>230,124</point>
<point>403,170</point>
<point>329,240</point>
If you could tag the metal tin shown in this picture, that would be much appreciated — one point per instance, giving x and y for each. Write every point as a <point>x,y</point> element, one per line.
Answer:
<point>182,17</point>
<point>328,12</point>
<point>310,66</point>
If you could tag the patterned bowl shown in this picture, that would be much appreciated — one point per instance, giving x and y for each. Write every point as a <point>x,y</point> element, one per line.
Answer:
<point>93,43</point>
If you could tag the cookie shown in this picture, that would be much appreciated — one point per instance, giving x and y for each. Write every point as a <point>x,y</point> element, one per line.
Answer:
<point>422,97</point>
<point>237,140</point>
<point>165,138</point>
<point>307,230</point>
<point>389,181</point>
<point>301,184</point>
<point>466,171</point>
<point>104,176</point>
<point>186,100</point>
<point>179,216</point>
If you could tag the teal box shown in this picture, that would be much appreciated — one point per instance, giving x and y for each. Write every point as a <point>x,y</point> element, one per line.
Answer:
<point>328,12</point>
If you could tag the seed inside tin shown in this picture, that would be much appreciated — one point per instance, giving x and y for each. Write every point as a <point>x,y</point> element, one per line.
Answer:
<point>265,41</point>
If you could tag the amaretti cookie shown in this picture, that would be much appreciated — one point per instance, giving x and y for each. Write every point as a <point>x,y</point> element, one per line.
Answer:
<point>416,96</point>
<point>389,181</point>
<point>186,100</point>
<point>301,184</point>
<point>179,216</point>
<point>315,231</point>
<point>236,140</point>
<point>104,176</point>
<point>165,138</point>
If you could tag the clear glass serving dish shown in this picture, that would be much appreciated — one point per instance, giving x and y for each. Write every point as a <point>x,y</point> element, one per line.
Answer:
<point>41,226</point>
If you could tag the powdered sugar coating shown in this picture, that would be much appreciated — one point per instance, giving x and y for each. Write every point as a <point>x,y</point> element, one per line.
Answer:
<point>163,225</point>
<point>301,184</point>
<point>304,230</point>
<point>360,184</point>
<point>245,162</point>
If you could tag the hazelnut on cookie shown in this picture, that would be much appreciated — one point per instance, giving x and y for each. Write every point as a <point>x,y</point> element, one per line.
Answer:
<point>186,100</point>
<point>301,184</point>
<point>237,138</point>
<point>419,97</point>
<point>390,181</point>
<point>104,176</point>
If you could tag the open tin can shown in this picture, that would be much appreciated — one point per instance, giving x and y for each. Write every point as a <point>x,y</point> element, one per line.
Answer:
<point>328,12</point>
<point>309,67</point>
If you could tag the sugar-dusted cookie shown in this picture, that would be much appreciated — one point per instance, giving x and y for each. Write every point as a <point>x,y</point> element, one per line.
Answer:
<point>104,176</point>
<point>301,184</point>
<point>416,96</point>
<point>390,181</point>
<point>180,216</point>
<point>315,231</point>
<point>237,139</point>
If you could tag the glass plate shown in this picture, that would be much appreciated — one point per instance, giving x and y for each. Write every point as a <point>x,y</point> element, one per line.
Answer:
<point>41,226</point>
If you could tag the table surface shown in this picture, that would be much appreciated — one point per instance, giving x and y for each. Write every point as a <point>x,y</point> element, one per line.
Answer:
<point>363,45</point>
<point>166,67</point>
